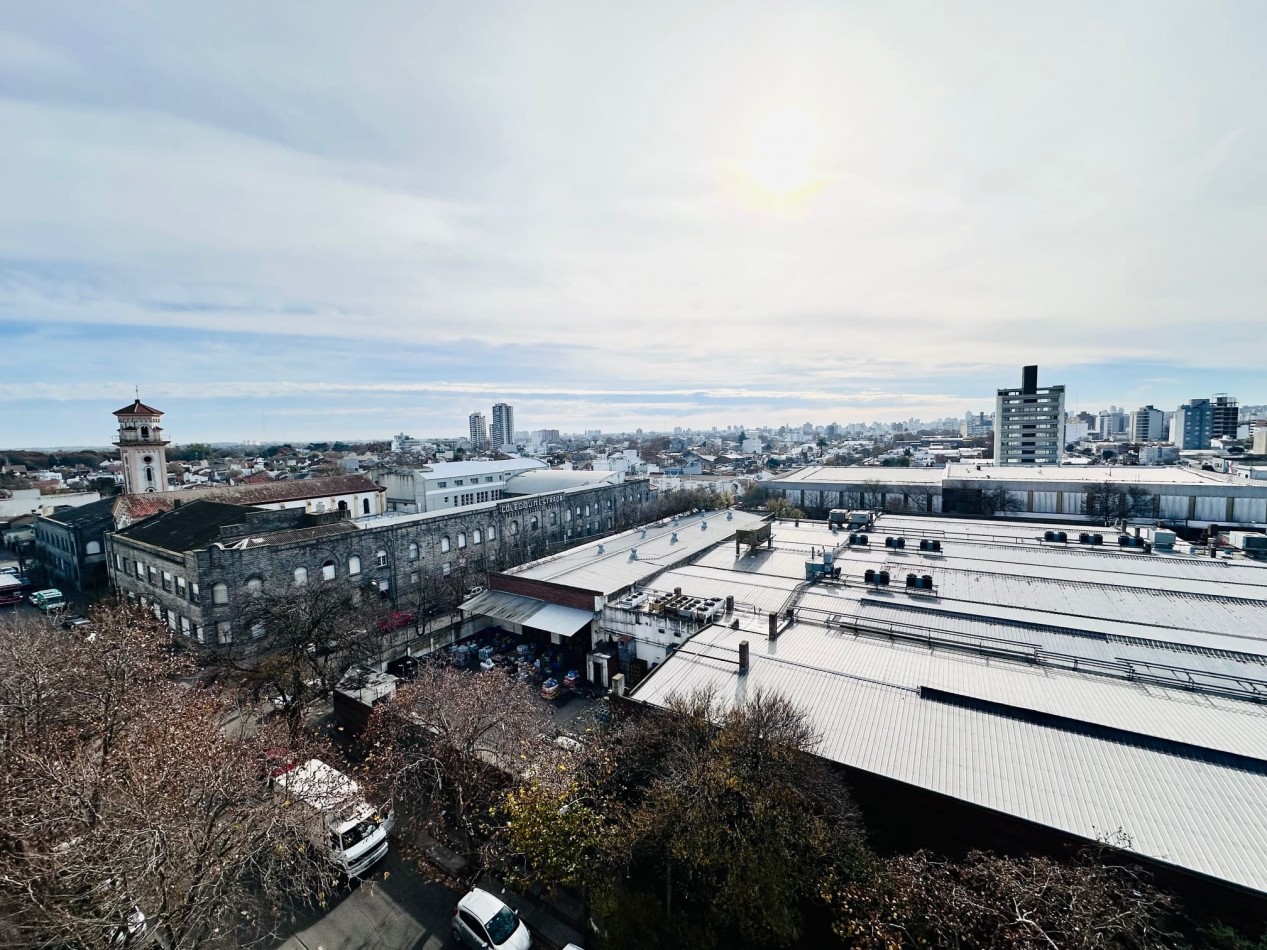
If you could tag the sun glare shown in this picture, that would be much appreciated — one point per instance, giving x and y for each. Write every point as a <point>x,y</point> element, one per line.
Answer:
<point>781,159</point>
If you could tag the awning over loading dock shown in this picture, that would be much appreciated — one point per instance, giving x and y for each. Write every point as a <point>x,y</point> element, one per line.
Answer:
<point>527,612</point>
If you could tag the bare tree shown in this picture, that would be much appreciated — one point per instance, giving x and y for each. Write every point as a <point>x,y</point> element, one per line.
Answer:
<point>996,500</point>
<point>450,742</point>
<point>1107,502</point>
<point>298,642</point>
<point>125,808</point>
<point>993,902</point>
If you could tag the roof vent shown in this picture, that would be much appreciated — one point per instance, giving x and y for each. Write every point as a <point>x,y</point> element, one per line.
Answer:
<point>703,525</point>
<point>600,550</point>
<point>644,532</point>
<point>673,538</point>
<point>730,516</point>
<point>633,554</point>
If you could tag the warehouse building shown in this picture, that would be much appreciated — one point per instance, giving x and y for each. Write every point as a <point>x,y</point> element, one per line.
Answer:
<point>1055,492</point>
<point>998,684</point>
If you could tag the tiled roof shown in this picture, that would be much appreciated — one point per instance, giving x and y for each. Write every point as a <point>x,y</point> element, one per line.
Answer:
<point>293,490</point>
<point>193,525</point>
<point>138,408</point>
<point>102,510</point>
<point>131,508</point>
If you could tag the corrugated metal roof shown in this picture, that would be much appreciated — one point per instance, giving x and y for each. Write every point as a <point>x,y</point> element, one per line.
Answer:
<point>555,618</point>
<point>612,570</point>
<point>761,594</point>
<point>1192,810</point>
<point>527,612</point>
<point>1093,595</point>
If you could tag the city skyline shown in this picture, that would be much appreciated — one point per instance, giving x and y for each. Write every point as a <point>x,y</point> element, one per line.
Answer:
<point>819,211</point>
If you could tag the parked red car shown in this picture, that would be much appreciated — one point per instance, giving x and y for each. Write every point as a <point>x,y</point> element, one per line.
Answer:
<point>395,621</point>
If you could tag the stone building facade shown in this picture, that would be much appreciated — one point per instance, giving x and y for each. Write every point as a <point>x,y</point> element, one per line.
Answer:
<point>197,565</point>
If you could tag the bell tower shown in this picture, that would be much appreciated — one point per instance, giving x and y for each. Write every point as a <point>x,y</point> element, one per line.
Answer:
<point>142,449</point>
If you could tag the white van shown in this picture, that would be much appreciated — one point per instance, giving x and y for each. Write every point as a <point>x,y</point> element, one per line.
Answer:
<point>351,831</point>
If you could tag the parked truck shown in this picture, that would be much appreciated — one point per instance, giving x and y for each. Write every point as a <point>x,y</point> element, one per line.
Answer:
<point>357,694</point>
<point>350,831</point>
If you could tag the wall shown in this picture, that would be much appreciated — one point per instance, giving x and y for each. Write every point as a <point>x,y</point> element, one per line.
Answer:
<point>407,576</point>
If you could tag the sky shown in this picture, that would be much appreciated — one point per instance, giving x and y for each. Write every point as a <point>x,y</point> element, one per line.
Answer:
<point>306,221</point>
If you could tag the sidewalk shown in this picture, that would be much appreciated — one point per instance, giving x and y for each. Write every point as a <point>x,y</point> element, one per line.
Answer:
<point>556,920</point>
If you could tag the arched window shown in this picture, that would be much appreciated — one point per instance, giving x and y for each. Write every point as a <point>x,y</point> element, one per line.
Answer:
<point>477,536</point>
<point>461,539</point>
<point>514,528</point>
<point>534,524</point>
<point>220,593</point>
<point>343,506</point>
<point>327,571</point>
<point>301,576</point>
<point>381,558</point>
<point>145,433</point>
<point>567,515</point>
<point>587,511</point>
<point>365,506</point>
<point>444,544</point>
<point>254,585</point>
<point>92,547</point>
<point>554,518</point>
<point>492,532</point>
<point>149,473</point>
<point>413,550</point>
<point>354,565</point>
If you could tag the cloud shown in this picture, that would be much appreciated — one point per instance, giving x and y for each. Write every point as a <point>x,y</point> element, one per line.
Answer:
<point>489,198</point>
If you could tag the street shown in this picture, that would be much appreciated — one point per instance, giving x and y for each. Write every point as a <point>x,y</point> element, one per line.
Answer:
<point>397,909</point>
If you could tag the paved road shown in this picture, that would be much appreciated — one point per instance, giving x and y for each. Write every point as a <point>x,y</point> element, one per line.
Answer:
<point>398,909</point>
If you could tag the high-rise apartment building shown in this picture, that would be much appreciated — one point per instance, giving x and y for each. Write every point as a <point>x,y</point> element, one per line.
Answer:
<point>479,431</point>
<point>1113,422</point>
<point>975,425</point>
<point>1029,423</point>
<point>1224,417</point>
<point>1193,425</point>
<point>1148,424</point>
<point>503,425</point>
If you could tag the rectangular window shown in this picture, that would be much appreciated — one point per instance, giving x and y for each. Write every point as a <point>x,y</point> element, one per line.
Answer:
<point>457,482</point>
<point>167,580</point>
<point>181,586</point>
<point>442,484</point>
<point>447,568</point>
<point>413,578</point>
<point>193,592</point>
<point>140,570</point>
<point>224,631</point>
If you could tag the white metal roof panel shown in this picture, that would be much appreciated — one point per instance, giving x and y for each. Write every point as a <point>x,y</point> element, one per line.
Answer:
<point>1188,811</point>
<point>555,618</point>
<point>606,566</point>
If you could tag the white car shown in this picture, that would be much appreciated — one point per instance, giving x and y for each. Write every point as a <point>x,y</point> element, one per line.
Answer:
<point>483,922</point>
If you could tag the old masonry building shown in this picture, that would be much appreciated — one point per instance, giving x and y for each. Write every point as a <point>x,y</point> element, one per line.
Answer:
<point>196,565</point>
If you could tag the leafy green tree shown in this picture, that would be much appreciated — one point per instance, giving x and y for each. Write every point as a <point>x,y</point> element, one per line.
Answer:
<point>729,821</point>
<point>783,509</point>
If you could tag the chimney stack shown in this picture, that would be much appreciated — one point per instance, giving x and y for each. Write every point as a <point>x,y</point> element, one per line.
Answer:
<point>730,603</point>
<point>743,657</point>
<point>618,685</point>
<point>774,625</point>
